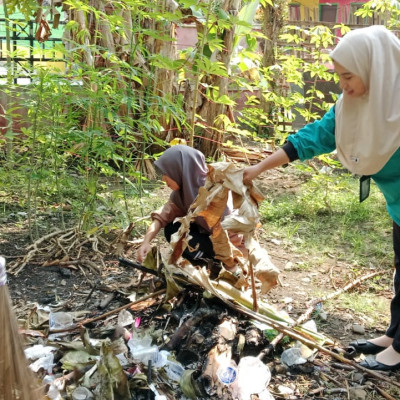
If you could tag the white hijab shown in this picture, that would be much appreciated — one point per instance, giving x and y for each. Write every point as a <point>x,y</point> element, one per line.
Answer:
<point>368,127</point>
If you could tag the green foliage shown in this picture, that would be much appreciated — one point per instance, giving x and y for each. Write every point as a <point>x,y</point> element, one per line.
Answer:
<point>75,127</point>
<point>271,334</point>
<point>387,9</point>
<point>26,7</point>
<point>282,84</point>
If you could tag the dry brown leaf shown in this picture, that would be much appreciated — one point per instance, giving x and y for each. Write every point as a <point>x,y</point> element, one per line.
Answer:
<point>264,270</point>
<point>180,239</point>
<point>217,200</point>
<point>43,32</point>
<point>224,179</point>
<point>142,305</point>
<point>224,249</point>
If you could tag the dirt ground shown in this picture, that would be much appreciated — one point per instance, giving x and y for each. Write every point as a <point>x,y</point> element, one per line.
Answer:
<point>81,289</point>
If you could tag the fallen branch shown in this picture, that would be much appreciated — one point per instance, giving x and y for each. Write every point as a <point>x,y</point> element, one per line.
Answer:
<point>384,394</point>
<point>117,246</point>
<point>128,263</point>
<point>313,303</point>
<point>33,249</point>
<point>350,285</point>
<point>58,245</point>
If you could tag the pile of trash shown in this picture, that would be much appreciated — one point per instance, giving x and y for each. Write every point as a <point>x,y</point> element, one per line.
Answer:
<point>192,348</point>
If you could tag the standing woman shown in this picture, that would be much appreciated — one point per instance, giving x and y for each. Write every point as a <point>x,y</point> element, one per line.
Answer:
<point>364,127</point>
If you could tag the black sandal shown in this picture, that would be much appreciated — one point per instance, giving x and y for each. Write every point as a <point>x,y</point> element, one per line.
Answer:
<point>378,366</point>
<point>366,347</point>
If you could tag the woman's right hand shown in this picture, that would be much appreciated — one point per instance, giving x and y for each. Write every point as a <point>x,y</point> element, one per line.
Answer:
<point>274,160</point>
<point>142,251</point>
<point>250,173</point>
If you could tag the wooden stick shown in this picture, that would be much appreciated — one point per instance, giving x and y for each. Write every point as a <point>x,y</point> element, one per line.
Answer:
<point>253,287</point>
<point>350,285</point>
<point>384,394</point>
<point>306,315</point>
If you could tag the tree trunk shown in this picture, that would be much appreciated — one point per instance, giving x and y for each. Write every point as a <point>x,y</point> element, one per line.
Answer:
<point>165,79</point>
<point>156,82</point>
<point>206,109</point>
<point>272,25</point>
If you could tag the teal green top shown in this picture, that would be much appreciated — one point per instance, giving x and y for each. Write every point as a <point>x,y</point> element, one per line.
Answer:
<point>319,138</point>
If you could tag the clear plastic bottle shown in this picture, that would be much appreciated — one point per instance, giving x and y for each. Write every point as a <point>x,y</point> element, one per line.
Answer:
<point>144,354</point>
<point>292,356</point>
<point>174,370</point>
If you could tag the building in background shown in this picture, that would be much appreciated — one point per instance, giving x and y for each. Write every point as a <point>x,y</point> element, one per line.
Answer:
<point>335,12</point>
<point>31,44</point>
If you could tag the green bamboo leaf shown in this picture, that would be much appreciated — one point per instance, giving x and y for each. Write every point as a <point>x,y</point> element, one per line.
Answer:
<point>246,16</point>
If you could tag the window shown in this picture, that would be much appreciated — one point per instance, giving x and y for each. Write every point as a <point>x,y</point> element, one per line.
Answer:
<point>357,20</point>
<point>294,12</point>
<point>328,12</point>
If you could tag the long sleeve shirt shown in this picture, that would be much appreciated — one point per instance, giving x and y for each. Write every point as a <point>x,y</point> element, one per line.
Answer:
<point>319,138</point>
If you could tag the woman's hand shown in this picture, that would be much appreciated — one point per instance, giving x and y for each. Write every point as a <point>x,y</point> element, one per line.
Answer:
<point>250,173</point>
<point>142,251</point>
<point>274,160</point>
<point>151,233</point>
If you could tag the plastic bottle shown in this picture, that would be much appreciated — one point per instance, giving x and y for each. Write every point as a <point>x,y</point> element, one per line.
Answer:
<point>145,354</point>
<point>174,370</point>
<point>227,373</point>
<point>142,351</point>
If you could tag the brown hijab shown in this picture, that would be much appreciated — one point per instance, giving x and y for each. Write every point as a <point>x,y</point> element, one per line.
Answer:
<point>187,167</point>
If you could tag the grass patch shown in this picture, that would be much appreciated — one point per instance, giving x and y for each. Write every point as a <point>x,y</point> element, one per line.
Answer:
<point>371,311</point>
<point>324,217</point>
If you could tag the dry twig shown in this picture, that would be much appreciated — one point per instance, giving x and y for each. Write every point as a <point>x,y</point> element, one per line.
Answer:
<point>66,247</point>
